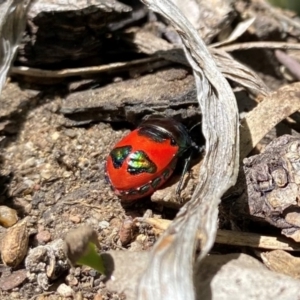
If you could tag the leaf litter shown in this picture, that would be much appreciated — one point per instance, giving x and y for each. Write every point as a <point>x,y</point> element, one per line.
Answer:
<point>51,172</point>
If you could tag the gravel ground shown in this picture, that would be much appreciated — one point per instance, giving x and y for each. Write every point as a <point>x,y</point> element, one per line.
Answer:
<point>55,176</point>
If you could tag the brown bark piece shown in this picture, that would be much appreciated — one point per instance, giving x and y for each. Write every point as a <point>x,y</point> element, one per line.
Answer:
<point>54,26</point>
<point>273,109</point>
<point>273,185</point>
<point>131,99</point>
<point>282,262</point>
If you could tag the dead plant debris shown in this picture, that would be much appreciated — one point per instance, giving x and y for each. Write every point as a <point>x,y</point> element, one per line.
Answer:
<point>85,74</point>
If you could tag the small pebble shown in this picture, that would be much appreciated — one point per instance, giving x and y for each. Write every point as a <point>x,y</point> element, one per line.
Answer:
<point>75,219</point>
<point>98,297</point>
<point>41,227</point>
<point>70,133</point>
<point>55,136</point>
<point>115,223</point>
<point>43,237</point>
<point>93,273</point>
<point>103,224</point>
<point>141,238</point>
<point>15,244</point>
<point>83,162</point>
<point>14,295</point>
<point>126,231</point>
<point>64,290</point>
<point>67,174</point>
<point>136,246</point>
<point>29,163</point>
<point>97,282</point>
<point>78,296</point>
<point>13,280</point>
<point>77,271</point>
<point>8,216</point>
<point>71,280</point>
<point>46,173</point>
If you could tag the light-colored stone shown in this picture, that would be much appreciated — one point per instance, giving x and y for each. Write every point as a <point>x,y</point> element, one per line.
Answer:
<point>64,290</point>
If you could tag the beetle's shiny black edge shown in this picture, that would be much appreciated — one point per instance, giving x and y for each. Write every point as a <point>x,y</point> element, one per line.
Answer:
<point>172,129</point>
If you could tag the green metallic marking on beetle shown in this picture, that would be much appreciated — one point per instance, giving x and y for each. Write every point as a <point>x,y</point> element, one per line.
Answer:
<point>119,154</point>
<point>139,162</point>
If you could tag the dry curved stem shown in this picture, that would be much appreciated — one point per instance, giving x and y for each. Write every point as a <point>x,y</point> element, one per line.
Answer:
<point>169,274</point>
<point>263,45</point>
<point>236,238</point>
<point>12,24</point>
<point>22,70</point>
<point>232,69</point>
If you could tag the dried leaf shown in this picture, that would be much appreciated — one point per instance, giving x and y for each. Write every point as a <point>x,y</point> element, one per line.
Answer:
<point>239,73</point>
<point>237,32</point>
<point>209,17</point>
<point>174,251</point>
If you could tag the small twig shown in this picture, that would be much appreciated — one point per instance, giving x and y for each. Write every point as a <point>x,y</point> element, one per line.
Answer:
<point>267,45</point>
<point>81,71</point>
<point>237,238</point>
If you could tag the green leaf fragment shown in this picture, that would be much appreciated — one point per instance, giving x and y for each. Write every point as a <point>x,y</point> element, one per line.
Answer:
<point>92,259</point>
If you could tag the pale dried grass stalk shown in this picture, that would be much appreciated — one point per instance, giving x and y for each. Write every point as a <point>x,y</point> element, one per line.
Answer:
<point>170,272</point>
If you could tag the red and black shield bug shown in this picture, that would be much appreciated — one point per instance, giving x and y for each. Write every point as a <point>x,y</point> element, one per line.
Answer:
<point>146,158</point>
